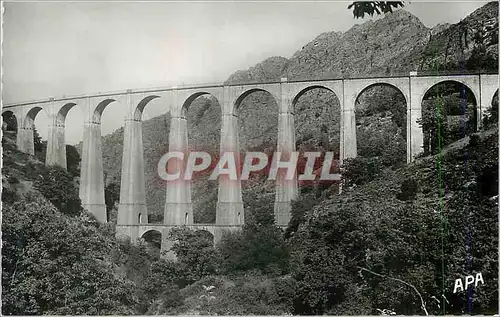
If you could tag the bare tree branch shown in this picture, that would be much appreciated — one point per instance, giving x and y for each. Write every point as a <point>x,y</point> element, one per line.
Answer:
<point>401,281</point>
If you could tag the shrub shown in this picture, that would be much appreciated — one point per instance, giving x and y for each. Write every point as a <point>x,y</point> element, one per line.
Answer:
<point>45,257</point>
<point>360,170</point>
<point>409,189</point>
<point>56,184</point>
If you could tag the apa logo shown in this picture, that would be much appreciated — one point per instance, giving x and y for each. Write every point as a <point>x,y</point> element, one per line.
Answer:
<point>469,279</point>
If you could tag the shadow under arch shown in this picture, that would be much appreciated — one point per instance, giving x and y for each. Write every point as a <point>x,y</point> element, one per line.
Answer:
<point>97,115</point>
<point>63,113</point>
<point>9,121</point>
<point>139,109</point>
<point>186,104</point>
<point>494,101</point>
<point>29,119</point>
<point>152,239</point>
<point>454,106</point>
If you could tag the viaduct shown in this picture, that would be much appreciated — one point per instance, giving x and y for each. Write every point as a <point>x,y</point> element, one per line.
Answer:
<point>132,219</point>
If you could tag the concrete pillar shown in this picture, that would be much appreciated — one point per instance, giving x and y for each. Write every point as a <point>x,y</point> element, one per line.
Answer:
<point>349,132</point>
<point>286,190</point>
<point>56,147</point>
<point>230,209</point>
<point>132,208</point>
<point>348,141</point>
<point>91,175</point>
<point>25,140</point>
<point>178,207</point>
<point>417,90</point>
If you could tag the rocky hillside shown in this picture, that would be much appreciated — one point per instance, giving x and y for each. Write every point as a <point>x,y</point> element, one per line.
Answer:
<point>397,43</point>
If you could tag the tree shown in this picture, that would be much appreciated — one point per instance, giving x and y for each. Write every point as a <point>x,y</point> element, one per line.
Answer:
<point>360,8</point>
<point>111,197</point>
<point>73,160</point>
<point>59,265</point>
<point>56,185</point>
<point>260,244</point>
<point>10,121</point>
<point>37,139</point>
<point>195,253</point>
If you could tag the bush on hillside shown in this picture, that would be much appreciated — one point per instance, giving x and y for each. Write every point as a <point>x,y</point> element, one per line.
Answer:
<point>46,256</point>
<point>57,185</point>
<point>360,170</point>
<point>259,245</point>
<point>348,252</point>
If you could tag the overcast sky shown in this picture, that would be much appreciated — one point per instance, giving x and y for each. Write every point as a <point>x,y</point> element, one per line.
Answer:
<point>51,49</point>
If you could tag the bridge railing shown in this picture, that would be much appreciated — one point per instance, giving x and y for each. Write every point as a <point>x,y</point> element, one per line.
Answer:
<point>329,77</point>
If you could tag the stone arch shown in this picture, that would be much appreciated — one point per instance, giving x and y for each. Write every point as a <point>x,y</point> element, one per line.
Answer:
<point>382,125</point>
<point>256,113</point>
<point>303,91</point>
<point>202,111</point>
<point>152,238</point>
<point>29,119</point>
<point>63,112</point>
<point>248,92</point>
<point>97,114</point>
<point>189,100</point>
<point>445,81</point>
<point>455,126</point>
<point>141,105</point>
<point>382,83</point>
<point>317,125</point>
<point>9,120</point>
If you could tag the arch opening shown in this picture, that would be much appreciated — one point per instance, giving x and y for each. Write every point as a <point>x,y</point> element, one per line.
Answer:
<point>203,113</point>
<point>317,116</point>
<point>9,129</point>
<point>96,118</point>
<point>449,113</point>
<point>257,91</point>
<point>155,135</point>
<point>141,105</point>
<point>38,121</point>
<point>152,240</point>
<point>491,115</point>
<point>9,121</point>
<point>381,124</point>
<point>63,113</point>
<point>29,120</point>
<point>257,113</point>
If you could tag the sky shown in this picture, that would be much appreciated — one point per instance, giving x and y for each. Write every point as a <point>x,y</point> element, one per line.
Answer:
<point>54,49</point>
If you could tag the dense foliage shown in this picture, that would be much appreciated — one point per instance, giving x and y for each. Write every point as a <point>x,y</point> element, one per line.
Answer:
<point>58,187</point>
<point>360,8</point>
<point>54,264</point>
<point>407,224</point>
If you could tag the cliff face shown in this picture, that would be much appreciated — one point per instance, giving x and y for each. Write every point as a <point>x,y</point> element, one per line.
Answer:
<point>397,43</point>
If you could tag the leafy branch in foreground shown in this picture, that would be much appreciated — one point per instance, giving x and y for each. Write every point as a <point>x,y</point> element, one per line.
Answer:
<point>360,8</point>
